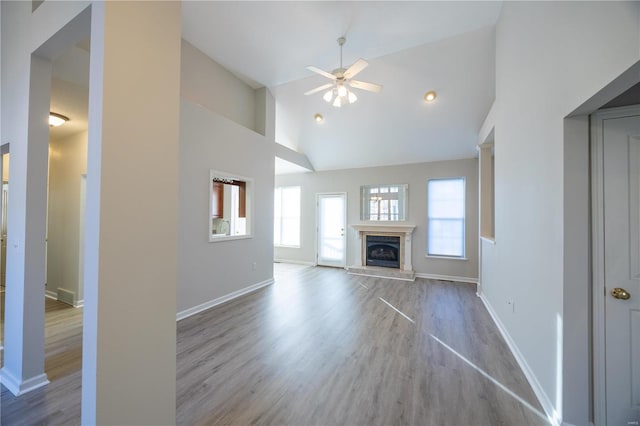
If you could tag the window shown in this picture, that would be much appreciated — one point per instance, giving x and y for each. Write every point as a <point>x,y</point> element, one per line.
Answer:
<point>446,217</point>
<point>383,202</point>
<point>230,206</point>
<point>286,227</point>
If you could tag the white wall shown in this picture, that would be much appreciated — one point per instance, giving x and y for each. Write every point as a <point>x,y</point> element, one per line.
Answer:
<point>208,271</point>
<point>416,176</point>
<point>550,58</point>
<point>205,82</point>
<point>67,163</point>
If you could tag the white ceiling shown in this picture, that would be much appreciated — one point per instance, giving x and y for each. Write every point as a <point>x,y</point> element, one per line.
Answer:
<point>412,47</point>
<point>70,92</point>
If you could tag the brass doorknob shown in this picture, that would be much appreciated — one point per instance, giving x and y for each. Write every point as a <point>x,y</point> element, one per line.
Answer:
<point>620,293</point>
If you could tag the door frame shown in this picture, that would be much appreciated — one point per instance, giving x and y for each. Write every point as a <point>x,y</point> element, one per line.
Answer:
<point>344,196</point>
<point>597,256</point>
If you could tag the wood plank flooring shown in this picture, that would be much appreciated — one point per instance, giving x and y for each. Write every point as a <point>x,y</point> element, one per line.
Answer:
<point>321,347</point>
<point>59,402</point>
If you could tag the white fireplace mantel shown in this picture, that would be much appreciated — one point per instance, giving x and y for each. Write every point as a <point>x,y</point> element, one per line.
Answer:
<point>384,227</point>
<point>404,231</point>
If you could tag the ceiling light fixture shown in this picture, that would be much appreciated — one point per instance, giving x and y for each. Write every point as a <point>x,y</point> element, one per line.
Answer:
<point>430,96</point>
<point>318,117</point>
<point>56,119</point>
<point>338,93</point>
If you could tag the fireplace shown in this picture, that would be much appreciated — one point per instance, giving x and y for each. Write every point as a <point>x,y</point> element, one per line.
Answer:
<point>383,251</point>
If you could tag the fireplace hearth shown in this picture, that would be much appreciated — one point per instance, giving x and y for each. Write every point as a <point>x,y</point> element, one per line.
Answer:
<point>383,251</point>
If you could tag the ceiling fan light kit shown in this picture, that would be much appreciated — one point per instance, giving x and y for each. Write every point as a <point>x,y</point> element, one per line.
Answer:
<point>338,93</point>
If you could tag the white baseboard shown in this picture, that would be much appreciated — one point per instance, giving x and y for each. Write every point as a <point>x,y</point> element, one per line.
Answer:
<point>447,278</point>
<point>215,302</point>
<point>544,400</point>
<point>53,295</point>
<point>17,387</point>
<point>295,262</point>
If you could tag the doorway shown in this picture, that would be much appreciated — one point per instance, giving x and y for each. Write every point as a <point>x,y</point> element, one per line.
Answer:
<point>331,226</point>
<point>3,229</point>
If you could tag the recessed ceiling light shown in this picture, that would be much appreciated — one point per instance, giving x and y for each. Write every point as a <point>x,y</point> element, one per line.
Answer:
<point>430,96</point>
<point>56,120</point>
<point>318,117</point>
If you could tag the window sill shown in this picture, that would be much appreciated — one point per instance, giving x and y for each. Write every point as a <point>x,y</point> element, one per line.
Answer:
<point>432,256</point>
<point>213,239</point>
<point>285,246</point>
<point>490,240</point>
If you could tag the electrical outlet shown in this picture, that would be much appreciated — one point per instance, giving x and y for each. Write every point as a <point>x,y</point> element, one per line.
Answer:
<point>254,265</point>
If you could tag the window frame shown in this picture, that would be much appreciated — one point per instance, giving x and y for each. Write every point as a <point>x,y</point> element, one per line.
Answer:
<point>463,256</point>
<point>219,176</point>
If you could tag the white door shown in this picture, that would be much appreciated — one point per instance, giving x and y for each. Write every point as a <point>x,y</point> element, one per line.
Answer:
<point>332,240</point>
<point>621,194</point>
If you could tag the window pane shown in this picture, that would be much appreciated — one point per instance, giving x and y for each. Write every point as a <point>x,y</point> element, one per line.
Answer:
<point>446,237</point>
<point>446,217</point>
<point>286,227</point>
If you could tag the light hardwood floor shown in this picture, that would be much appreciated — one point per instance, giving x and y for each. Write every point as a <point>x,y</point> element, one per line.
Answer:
<point>320,347</point>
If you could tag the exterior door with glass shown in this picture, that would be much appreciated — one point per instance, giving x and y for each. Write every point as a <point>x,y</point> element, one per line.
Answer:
<point>331,227</point>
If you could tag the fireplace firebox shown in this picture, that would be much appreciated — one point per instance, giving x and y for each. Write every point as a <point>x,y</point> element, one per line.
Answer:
<point>383,251</point>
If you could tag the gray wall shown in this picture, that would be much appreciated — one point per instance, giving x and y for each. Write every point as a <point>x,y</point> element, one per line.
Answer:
<point>416,176</point>
<point>550,58</point>
<point>207,270</point>
<point>67,163</point>
<point>205,82</point>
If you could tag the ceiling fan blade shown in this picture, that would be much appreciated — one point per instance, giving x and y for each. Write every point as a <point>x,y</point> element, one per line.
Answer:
<point>371,87</point>
<point>322,72</point>
<point>354,69</point>
<point>319,89</point>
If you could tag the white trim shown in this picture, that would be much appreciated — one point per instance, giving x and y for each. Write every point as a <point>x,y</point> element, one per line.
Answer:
<point>295,262</point>
<point>215,239</point>
<point>17,387</point>
<point>547,406</point>
<point>220,300</point>
<point>53,295</point>
<point>437,256</point>
<point>489,240</point>
<point>380,226</point>
<point>381,276</point>
<point>447,278</point>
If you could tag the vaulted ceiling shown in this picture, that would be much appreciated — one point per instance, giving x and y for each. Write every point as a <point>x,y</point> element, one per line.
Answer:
<point>412,47</point>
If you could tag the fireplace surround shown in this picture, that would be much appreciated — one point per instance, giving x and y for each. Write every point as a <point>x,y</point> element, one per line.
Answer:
<point>386,233</point>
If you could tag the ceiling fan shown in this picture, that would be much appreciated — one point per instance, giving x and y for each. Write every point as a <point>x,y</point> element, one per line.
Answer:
<point>337,90</point>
